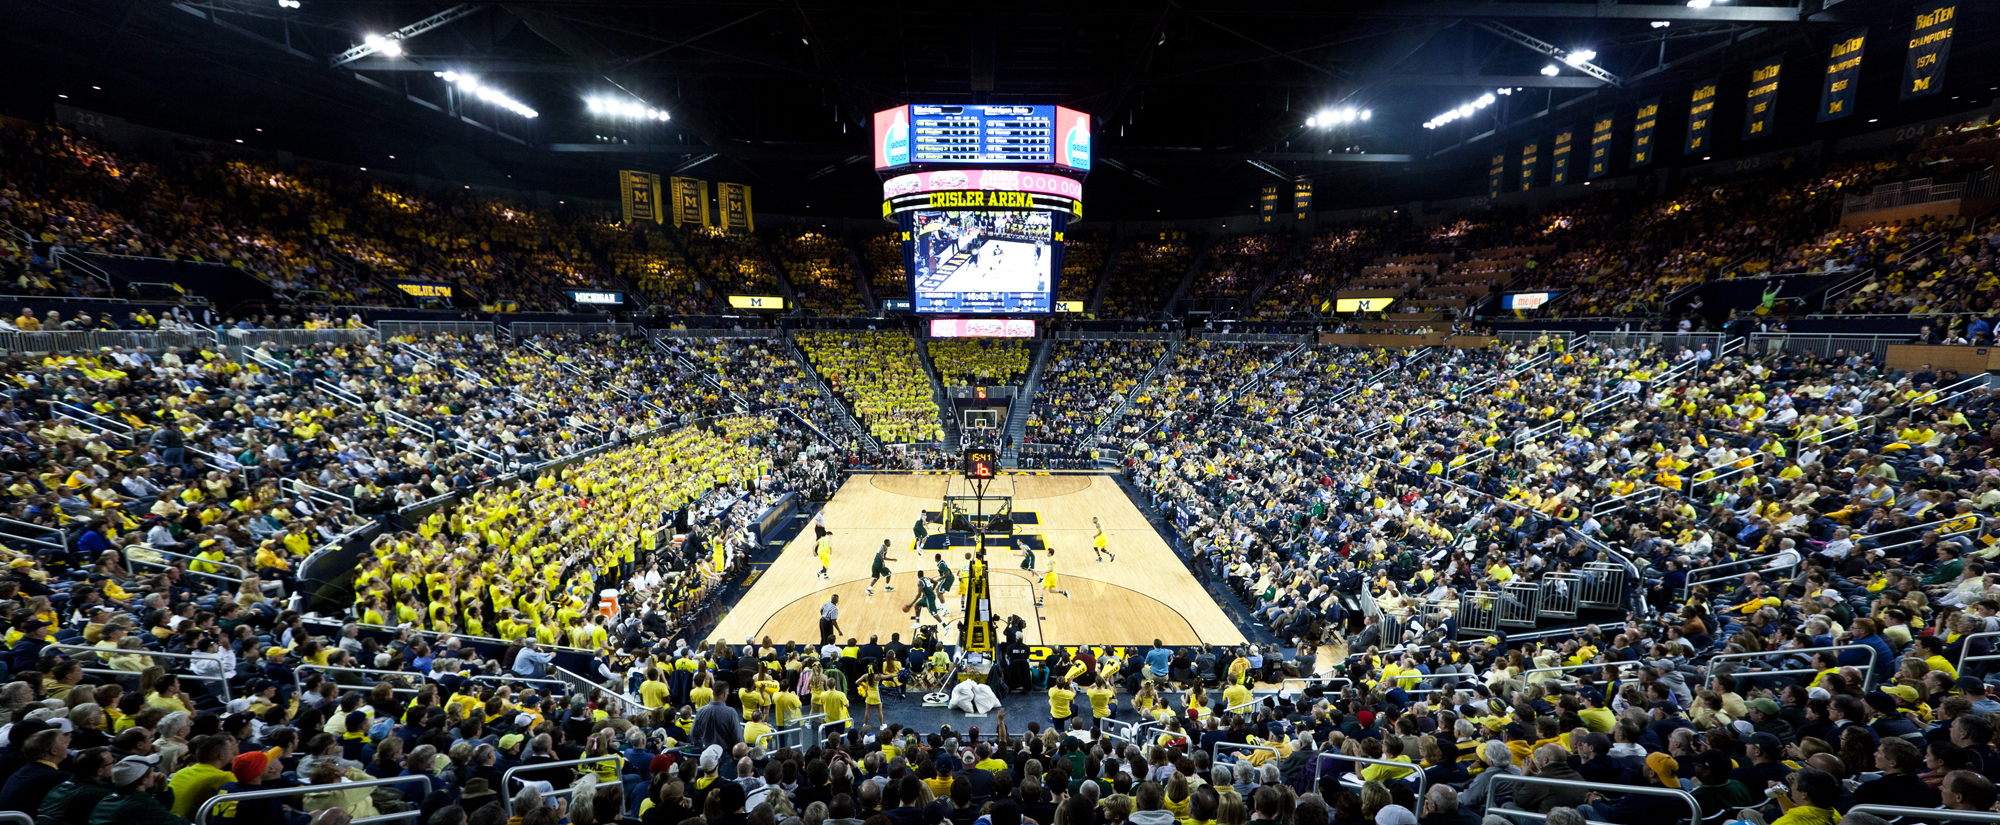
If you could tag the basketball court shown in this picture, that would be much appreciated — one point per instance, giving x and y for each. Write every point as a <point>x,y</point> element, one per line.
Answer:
<point>1146,594</point>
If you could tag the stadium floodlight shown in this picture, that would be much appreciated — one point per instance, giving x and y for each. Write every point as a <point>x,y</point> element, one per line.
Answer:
<point>1329,118</point>
<point>383,45</point>
<point>1579,57</point>
<point>604,106</point>
<point>1463,111</point>
<point>1699,4</point>
<point>471,85</point>
<point>1550,70</point>
<point>288,4</point>
<point>1661,24</point>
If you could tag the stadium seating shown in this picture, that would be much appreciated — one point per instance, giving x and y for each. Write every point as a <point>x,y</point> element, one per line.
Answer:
<point>821,271</point>
<point>1655,554</point>
<point>966,362</point>
<point>1146,276</point>
<point>879,377</point>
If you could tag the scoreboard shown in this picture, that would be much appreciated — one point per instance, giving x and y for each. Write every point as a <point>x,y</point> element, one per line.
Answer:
<point>973,135</point>
<point>982,194</point>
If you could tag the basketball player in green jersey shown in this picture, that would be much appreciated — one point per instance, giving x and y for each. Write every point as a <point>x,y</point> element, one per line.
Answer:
<point>927,599</point>
<point>880,570</point>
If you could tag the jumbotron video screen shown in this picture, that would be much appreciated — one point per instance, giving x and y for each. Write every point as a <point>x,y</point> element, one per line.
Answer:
<point>975,261</point>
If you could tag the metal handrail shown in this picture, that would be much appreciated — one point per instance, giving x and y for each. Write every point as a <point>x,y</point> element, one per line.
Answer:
<point>1965,646</point>
<point>1603,787</point>
<point>1416,770</point>
<point>191,559</point>
<point>1867,678</point>
<point>506,789</point>
<point>100,652</point>
<point>582,681</point>
<point>1215,750</point>
<point>1688,586</point>
<point>208,806</point>
<point>1891,812</point>
<point>164,566</point>
<point>466,636</point>
<point>62,544</point>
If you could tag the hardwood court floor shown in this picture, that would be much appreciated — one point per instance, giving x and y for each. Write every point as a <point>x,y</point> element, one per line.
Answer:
<point>1146,594</point>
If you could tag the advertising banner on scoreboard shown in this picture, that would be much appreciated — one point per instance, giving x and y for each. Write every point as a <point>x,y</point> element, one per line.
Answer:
<point>1930,47</point>
<point>1496,174</point>
<point>1302,198</point>
<point>1267,203</point>
<point>1072,139</point>
<point>982,328</point>
<point>639,195</point>
<point>735,200</point>
<point>949,180</point>
<point>690,201</point>
<point>1701,111</point>
<point>1643,126</point>
<point>1559,157</point>
<point>1600,144</point>
<point>1843,69</point>
<point>1529,154</point>
<point>1760,104</point>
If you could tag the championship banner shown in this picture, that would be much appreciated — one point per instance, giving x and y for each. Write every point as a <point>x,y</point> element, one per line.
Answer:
<point>1529,154</point>
<point>735,201</point>
<point>1302,198</point>
<point>1495,175</point>
<point>1642,131</point>
<point>1760,105</point>
<point>639,194</point>
<point>1559,169</point>
<point>1843,68</point>
<point>1267,203</point>
<point>690,201</point>
<point>1930,47</point>
<point>1600,145</point>
<point>1701,108</point>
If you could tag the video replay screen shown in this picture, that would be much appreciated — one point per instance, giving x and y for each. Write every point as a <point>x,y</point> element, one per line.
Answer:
<point>971,261</point>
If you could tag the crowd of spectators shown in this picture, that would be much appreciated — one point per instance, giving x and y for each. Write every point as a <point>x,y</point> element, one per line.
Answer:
<point>1237,264</point>
<point>880,378</point>
<point>884,255</point>
<point>821,271</point>
<point>314,233</point>
<point>179,493</point>
<point>1146,275</point>
<point>1082,383</point>
<point>1083,265</point>
<point>735,263</point>
<point>967,362</point>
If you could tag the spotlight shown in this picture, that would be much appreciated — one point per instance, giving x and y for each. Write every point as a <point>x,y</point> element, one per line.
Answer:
<point>471,85</point>
<point>1367,113</point>
<point>288,4</point>
<point>1661,24</point>
<point>1550,70</point>
<point>1699,4</point>
<point>613,107</point>
<point>383,45</point>
<point>1579,57</point>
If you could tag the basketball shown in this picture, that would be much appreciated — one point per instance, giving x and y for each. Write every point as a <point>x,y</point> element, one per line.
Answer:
<point>906,608</point>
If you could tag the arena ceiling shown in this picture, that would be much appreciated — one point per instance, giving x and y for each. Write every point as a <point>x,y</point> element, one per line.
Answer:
<point>1198,102</point>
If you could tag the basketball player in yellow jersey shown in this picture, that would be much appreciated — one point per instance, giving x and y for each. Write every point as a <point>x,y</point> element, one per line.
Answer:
<point>1049,579</point>
<point>824,547</point>
<point>1098,544</point>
